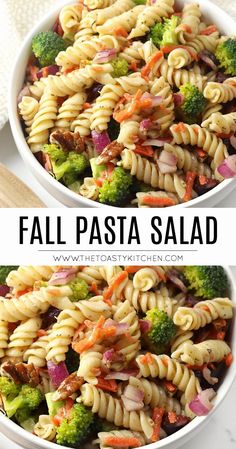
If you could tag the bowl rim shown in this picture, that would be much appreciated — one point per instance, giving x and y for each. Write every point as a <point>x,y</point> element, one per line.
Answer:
<point>28,156</point>
<point>194,425</point>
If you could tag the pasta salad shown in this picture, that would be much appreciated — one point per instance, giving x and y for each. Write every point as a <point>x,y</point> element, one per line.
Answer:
<point>112,356</point>
<point>129,102</point>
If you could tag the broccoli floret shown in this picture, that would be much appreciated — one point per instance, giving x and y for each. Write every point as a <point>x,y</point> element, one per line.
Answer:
<point>46,45</point>
<point>120,67</point>
<point>117,188</point>
<point>162,330</point>
<point>27,400</point>
<point>80,289</point>
<point>193,104</point>
<point>8,387</point>
<point>164,33</point>
<point>55,153</point>
<point>4,271</point>
<point>72,361</point>
<point>207,281</point>
<point>226,55</point>
<point>75,430</point>
<point>71,168</point>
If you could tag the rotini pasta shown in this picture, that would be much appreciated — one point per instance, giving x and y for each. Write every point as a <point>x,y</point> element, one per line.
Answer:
<point>22,338</point>
<point>70,110</point>
<point>45,429</point>
<point>70,17</point>
<point>221,123</point>
<point>26,276</point>
<point>206,352</point>
<point>220,92</point>
<point>4,332</point>
<point>28,108</point>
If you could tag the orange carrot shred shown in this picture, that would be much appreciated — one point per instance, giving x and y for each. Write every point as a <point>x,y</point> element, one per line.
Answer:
<point>115,283</point>
<point>152,61</point>
<point>209,30</point>
<point>122,441</point>
<point>190,178</point>
<point>157,417</point>
<point>161,202</point>
<point>120,31</point>
<point>229,359</point>
<point>170,386</point>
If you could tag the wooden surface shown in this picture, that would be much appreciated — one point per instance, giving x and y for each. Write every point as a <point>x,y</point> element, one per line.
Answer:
<point>14,193</point>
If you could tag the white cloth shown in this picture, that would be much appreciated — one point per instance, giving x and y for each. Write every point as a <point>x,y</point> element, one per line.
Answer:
<point>17,17</point>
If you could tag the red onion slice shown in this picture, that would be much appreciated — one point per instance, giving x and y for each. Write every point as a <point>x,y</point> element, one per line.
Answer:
<point>157,142</point>
<point>121,328</point>
<point>49,70</point>
<point>133,393</point>
<point>168,158</point>
<point>172,276</point>
<point>100,140</point>
<point>145,326</point>
<point>57,373</point>
<point>209,59</point>
<point>145,124</point>
<point>63,277</point>
<point>122,375</point>
<point>201,405</point>
<point>166,168</point>
<point>105,55</point>
<point>156,99</point>
<point>4,290</point>
<point>131,405</point>
<point>227,168</point>
<point>178,99</point>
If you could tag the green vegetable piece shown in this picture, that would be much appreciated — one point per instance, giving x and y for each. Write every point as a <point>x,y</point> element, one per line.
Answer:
<point>193,104</point>
<point>46,45</point>
<point>97,170</point>
<point>163,34</point>
<point>79,288</point>
<point>53,406</point>
<point>116,190</point>
<point>27,400</point>
<point>207,281</point>
<point>226,55</point>
<point>55,153</point>
<point>8,387</point>
<point>120,67</point>
<point>162,330</point>
<point>77,428</point>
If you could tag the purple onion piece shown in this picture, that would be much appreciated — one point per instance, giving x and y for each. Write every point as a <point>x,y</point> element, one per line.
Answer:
<point>191,300</point>
<point>4,290</point>
<point>171,428</point>
<point>49,317</point>
<point>221,77</point>
<point>100,140</point>
<point>49,70</point>
<point>209,59</point>
<point>57,373</point>
<point>23,93</point>
<point>200,189</point>
<point>94,92</point>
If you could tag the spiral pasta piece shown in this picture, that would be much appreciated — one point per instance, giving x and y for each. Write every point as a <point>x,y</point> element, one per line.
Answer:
<point>104,106</point>
<point>145,279</point>
<point>201,42</point>
<point>82,123</point>
<point>220,92</point>
<point>93,308</point>
<point>97,4</point>
<point>204,312</point>
<point>144,301</point>
<point>45,429</point>
<point>211,109</point>
<point>42,122</point>
<point>37,88</point>
<point>151,15</point>
<point>190,22</point>
<point>22,337</point>
<point>164,367</point>
<point>69,17</point>
<point>34,303</point>
<point>36,353</point>
<point>125,313</point>
<point>132,52</point>
<point>155,395</point>
<point>110,408</point>
<point>165,116</point>
<point>90,275</point>
<point>69,110</point>
<point>179,58</point>
<point>91,363</point>
<point>148,172</point>
<point>108,272</point>
<point>120,434</point>
<point>28,108</point>
<point>80,79</point>
<point>208,351</point>
<point>89,189</point>
<point>4,333</point>
<point>187,160</point>
<point>127,20</point>
<point>221,123</point>
<point>180,339</point>
<point>201,137</point>
<point>26,276</point>
<point>129,131</point>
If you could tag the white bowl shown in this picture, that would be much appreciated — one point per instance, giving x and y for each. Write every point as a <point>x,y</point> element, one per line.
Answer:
<point>211,12</point>
<point>27,440</point>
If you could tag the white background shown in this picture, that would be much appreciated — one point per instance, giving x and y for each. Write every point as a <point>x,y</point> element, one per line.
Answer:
<point>10,157</point>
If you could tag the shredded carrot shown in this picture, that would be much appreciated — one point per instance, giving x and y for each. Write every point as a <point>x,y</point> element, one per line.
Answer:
<point>152,61</point>
<point>133,66</point>
<point>201,152</point>
<point>120,31</point>
<point>94,288</point>
<point>170,386</point>
<point>132,269</point>
<point>190,178</point>
<point>157,417</point>
<point>202,180</point>
<point>172,417</point>
<point>107,384</point>
<point>209,30</point>
<point>115,284</point>
<point>186,28</point>
<point>23,292</point>
<point>161,202</point>
<point>144,151</point>
<point>97,333</point>
<point>122,442</point>
<point>41,333</point>
<point>180,127</point>
<point>146,359</point>
<point>86,105</point>
<point>229,359</point>
<point>170,47</point>
<point>206,308</point>
<point>126,113</point>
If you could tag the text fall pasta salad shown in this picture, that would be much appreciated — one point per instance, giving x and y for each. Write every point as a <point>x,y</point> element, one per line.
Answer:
<point>129,102</point>
<point>114,356</point>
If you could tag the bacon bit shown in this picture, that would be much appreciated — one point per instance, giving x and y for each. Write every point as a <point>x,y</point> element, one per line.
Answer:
<point>133,66</point>
<point>157,416</point>
<point>190,178</point>
<point>122,442</point>
<point>219,324</point>
<point>115,284</point>
<point>147,359</point>
<point>224,136</point>
<point>172,417</point>
<point>69,386</point>
<point>152,61</point>
<point>170,386</point>
<point>41,333</point>
<point>229,359</point>
<point>12,326</point>
<point>144,151</point>
<point>209,30</point>
<point>201,153</point>
<point>180,127</point>
<point>86,105</point>
<point>161,202</point>
<point>202,180</point>
<point>220,335</point>
<point>170,47</point>
<point>107,384</point>
<point>94,288</point>
<point>120,31</point>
